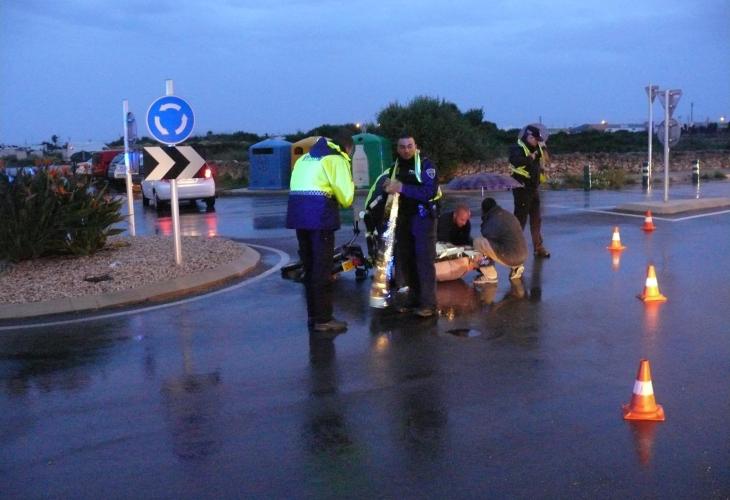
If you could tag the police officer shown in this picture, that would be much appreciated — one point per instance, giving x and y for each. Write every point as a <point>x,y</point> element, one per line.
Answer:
<point>415,231</point>
<point>527,158</point>
<point>321,182</point>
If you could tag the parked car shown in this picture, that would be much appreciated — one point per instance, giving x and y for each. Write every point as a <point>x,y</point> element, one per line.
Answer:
<point>100,161</point>
<point>117,170</point>
<point>83,168</point>
<point>201,187</point>
<point>13,172</point>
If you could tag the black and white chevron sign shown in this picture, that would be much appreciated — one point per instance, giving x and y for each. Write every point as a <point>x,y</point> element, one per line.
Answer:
<point>176,162</point>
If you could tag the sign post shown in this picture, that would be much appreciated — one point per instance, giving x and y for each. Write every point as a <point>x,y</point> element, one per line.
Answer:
<point>651,91</point>
<point>669,100</point>
<point>128,130</point>
<point>170,120</point>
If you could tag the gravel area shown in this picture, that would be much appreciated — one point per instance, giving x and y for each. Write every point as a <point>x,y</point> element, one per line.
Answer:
<point>123,264</point>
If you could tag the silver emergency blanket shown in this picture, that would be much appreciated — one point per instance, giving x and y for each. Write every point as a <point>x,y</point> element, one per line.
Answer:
<point>381,295</point>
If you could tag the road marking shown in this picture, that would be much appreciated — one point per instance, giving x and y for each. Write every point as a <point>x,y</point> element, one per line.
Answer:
<point>283,258</point>
<point>609,211</point>
<point>703,215</point>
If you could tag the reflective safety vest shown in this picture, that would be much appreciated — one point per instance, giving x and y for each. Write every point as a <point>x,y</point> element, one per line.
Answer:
<point>326,176</point>
<point>522,169</point>
<point>337,149</point>
<point>417,168</point>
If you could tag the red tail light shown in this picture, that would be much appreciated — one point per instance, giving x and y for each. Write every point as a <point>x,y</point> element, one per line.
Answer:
<point>205,173</point>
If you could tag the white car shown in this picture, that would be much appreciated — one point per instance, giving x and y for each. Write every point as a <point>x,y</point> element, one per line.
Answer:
<point>117,169</point>
<point>201,187</point>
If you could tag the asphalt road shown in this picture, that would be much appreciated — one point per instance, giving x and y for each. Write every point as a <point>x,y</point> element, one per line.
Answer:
<point>513,391</point>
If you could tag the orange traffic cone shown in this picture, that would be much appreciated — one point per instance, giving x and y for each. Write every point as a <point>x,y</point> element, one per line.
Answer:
<point>616,241</point>
<point>643,405</point>
<point>648,222</point>
<point>651,288</point>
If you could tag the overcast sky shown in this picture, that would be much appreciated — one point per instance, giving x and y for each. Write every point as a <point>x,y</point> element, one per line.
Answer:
<point>278,66</point>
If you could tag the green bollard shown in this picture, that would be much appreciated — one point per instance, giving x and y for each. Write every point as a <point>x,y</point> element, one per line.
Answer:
<point>696,172</point>
<point>587,177</point>
<point>645,175</point>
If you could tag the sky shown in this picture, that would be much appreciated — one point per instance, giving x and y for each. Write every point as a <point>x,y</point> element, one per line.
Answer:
<point>282,66</point>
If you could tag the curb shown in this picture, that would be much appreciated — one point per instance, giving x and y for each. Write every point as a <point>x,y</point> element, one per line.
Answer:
<point>672,207</point>
<point>154,292</point>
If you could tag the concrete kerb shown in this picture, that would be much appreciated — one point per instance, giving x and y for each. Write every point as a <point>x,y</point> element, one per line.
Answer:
<point>167,290</point>
<point>672,207</point>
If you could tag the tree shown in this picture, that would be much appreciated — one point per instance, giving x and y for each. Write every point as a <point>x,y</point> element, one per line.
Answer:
<point>445,134</point>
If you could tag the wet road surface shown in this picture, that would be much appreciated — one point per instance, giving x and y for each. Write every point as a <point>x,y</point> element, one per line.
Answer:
<point>514,390</point>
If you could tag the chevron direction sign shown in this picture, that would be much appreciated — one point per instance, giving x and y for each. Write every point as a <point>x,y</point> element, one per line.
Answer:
<point>176,162</point>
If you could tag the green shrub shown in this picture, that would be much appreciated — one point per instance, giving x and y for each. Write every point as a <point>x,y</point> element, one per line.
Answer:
<point>572,181</point>
<point>228,181</point>
<point>610,178</point>
<point>50,213</point>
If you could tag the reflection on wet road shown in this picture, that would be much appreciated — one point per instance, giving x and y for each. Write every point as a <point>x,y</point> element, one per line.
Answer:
<point>228,395</point>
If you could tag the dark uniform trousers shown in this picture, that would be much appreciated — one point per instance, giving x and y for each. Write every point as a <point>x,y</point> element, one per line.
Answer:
<point>416,254</point>
<point>527,203</point>
<point>316,249</point>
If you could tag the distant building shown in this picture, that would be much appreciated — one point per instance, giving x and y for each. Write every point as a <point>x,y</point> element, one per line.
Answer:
<point>627,127</point>
<point>609,127</point>
<point>10,151</point>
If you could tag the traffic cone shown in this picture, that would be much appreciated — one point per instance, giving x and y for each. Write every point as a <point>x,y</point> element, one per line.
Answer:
<point>651,288</point>
<point>648,222</point>
<point>643,405</point>
<point>616,241</point>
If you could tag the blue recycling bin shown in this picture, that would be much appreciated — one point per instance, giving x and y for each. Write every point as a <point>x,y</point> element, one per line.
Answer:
<point>269,164</point>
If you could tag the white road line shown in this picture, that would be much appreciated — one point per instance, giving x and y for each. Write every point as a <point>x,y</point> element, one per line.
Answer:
<point>702,215</point>
<point>283,258</point>
<point>608,211</point>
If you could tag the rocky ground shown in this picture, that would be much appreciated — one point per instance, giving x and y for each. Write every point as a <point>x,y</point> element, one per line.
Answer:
<point>124,263</point>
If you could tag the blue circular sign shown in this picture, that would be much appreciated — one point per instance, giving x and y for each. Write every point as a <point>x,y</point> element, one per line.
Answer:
<point>170,120</point>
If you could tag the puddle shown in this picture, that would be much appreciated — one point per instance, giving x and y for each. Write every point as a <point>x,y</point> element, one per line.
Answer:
<point>464,332</point>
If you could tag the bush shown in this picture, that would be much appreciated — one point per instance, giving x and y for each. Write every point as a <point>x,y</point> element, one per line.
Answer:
<point>50,213</point>
<point>610,178</point>
<point>447,136</point>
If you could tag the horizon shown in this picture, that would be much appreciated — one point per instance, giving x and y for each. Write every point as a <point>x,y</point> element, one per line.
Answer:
<point>105,143</point>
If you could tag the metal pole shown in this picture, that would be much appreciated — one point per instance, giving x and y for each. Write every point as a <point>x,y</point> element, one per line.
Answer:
<point>666,146</point>
<point>175,209</point>
<point>651,132</point>
<point>128,174</point>
<point>174,206</point>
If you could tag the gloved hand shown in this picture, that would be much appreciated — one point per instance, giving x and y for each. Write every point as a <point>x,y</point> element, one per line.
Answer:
<point>392,186</point>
